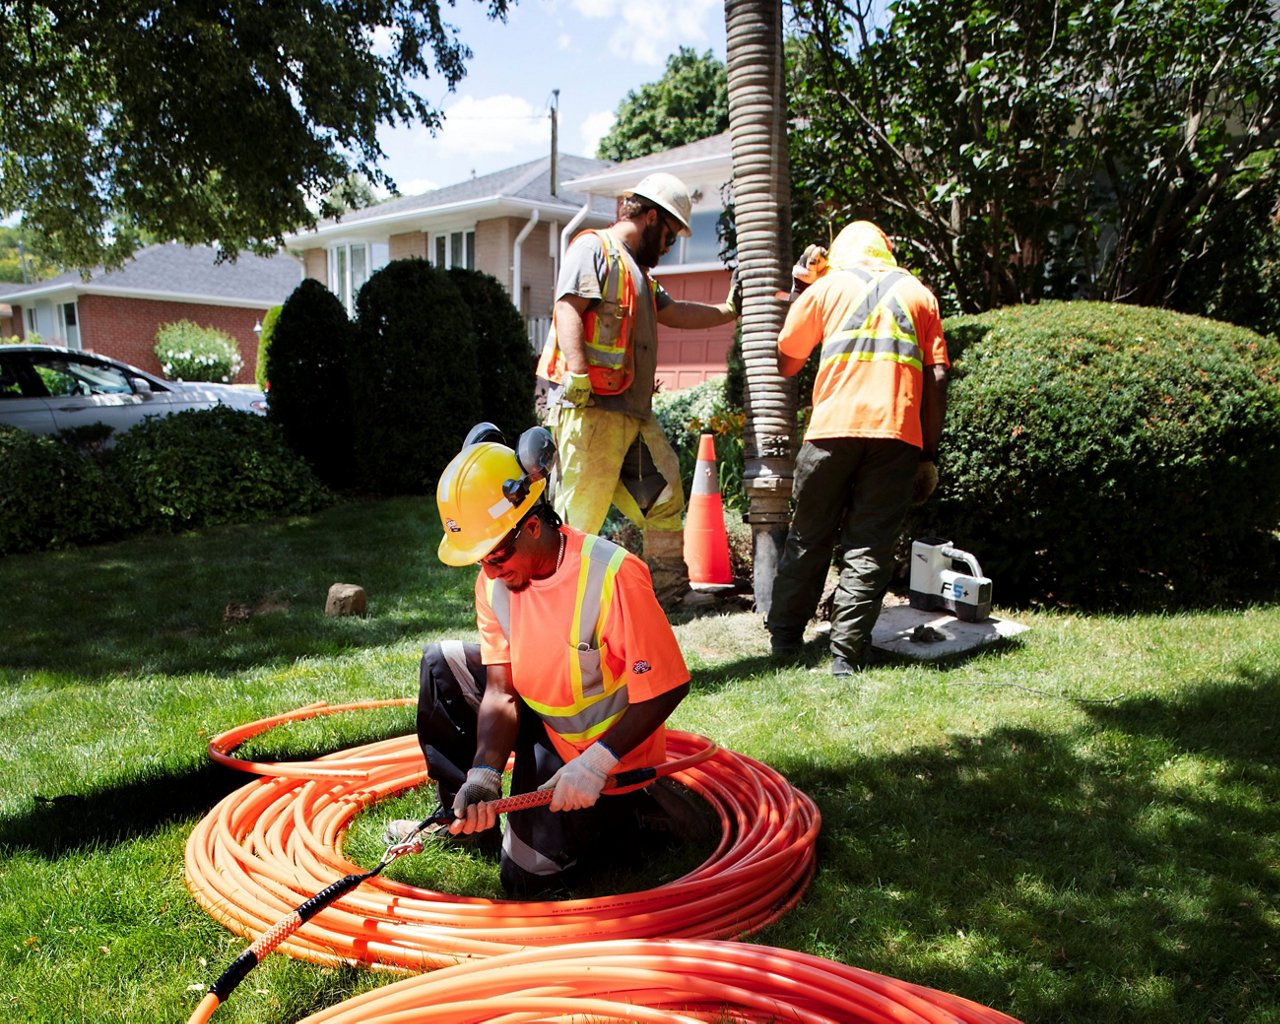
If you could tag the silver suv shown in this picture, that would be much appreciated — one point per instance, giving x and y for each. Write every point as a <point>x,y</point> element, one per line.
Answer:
<point>45,389</point>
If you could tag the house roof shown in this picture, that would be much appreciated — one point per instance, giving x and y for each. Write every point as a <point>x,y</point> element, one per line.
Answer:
<point>173,272</point>
<point>514,190</point>
<point>706,158</point>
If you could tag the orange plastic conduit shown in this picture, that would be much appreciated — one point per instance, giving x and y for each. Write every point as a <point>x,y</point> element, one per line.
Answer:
<point>277,841</point>
<point>657,982</point>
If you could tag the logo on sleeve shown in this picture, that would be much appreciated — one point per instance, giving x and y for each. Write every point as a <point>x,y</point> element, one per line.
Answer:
<point>641,667</point>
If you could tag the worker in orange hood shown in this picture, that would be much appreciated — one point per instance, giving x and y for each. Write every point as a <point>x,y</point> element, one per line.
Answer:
<point>870,448</point>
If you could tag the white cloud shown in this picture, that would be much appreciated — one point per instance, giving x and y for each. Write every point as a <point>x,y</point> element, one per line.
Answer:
<point>495,124</point>
<point>592,129</point>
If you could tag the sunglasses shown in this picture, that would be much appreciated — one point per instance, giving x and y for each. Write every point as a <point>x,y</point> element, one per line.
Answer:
<point>506,548</point>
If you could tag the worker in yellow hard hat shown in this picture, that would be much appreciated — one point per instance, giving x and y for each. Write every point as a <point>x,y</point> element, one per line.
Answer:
<point>600,360</point>
<point>576,671</point>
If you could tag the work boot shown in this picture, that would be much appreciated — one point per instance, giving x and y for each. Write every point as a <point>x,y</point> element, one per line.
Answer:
<point>401,830</point>
<point>664,555</point>
<point>677,813</point>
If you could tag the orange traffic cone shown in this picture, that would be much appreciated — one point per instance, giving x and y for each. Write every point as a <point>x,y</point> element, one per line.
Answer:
<point>706,548</point>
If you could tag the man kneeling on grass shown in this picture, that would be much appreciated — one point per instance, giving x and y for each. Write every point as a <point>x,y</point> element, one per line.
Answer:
<point>577,670</point>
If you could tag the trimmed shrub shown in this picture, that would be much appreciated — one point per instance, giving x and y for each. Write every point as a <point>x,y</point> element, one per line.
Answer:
<point>53,496</point>
<point>506,361</point>
<point>687,414</point>
<point>190,352</point>
<point>210,466</point>
<point>311,343</point>
<point>415,387</point>
<point>1109,456</point>
<point>268,325</point>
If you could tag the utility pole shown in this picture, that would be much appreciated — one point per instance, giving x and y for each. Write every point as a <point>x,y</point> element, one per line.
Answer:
<point>555,145</point>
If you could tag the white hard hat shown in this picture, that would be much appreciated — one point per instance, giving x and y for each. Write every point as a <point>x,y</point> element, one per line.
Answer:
<point>668,192</point>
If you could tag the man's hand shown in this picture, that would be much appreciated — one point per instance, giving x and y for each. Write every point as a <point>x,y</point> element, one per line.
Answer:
<point>578,783</point>
<point>734,299</point>
<point>577,389</point>
<point>925,483</point>
<point>470,810</point>
<point>811,265</point>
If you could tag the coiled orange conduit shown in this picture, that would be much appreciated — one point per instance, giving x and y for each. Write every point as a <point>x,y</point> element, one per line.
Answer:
<point>660,982</point>
<point>277,841</point>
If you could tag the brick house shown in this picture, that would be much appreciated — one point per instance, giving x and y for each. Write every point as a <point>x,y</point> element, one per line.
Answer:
<point>514,225</point>
<point>116,313</point>
<point>507,224</point>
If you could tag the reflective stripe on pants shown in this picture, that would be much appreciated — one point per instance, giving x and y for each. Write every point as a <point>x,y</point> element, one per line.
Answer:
<point>540,845</point>
<point>600,464</point>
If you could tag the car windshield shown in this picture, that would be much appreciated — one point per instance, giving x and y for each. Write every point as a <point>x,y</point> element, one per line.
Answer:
<point>80,377</point>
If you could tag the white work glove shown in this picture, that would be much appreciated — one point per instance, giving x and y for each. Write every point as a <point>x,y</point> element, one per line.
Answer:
<point>482,785</point>
<point>811,266</point>
<point>577,389</point>
<point>578,783</point>
<point>925,482</point>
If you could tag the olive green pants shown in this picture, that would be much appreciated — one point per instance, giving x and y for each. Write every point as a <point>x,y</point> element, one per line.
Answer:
<point>852,495</point>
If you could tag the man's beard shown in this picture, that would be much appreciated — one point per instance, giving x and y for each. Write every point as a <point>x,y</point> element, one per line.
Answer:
<point>650,249</point>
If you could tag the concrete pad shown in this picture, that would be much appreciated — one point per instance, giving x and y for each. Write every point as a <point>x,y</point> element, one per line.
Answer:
<point>932,636</point>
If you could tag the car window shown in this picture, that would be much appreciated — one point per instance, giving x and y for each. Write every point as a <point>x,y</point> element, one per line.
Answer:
<point>80,377</point>
<point>10,385</point>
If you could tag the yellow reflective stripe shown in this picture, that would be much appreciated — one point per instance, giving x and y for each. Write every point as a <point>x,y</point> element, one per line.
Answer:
<point>610,351</point>
<point>869,337</point>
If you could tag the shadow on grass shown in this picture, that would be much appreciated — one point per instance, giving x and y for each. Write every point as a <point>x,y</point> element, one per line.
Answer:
<point>1124,871</point>
<point>232,598</point>
<point>58,823</point>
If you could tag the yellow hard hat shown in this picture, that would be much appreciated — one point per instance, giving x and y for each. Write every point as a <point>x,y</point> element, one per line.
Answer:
<point>478,503</point>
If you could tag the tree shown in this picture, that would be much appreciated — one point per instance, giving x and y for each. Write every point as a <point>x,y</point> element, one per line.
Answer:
<point>19,264</point>
<point>204,123</point>
<point>689,102</point>
<point>762,211</point>
<point>1026,150</point>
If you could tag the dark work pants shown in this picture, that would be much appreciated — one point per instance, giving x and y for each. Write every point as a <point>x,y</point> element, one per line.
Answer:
<point>852,492</point>
<point>540,848</point>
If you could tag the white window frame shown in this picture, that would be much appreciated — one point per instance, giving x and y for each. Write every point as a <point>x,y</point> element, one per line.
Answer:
<point>462,240</point>
<point>69,330</point>
<point>344,281</point>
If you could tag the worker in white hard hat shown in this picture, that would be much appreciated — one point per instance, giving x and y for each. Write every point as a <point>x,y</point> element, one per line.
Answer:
<point>576,671</point>
<point>600,360</point>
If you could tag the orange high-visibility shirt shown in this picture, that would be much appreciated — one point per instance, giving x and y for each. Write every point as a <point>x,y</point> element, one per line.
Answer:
<point>878,327</point>
<point>631,654</point>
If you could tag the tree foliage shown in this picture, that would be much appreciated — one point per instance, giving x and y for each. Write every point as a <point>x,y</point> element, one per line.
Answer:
<point>19,263</point>
<point>205,123</point>
<point>689,102</point>
<point>1027,150</point>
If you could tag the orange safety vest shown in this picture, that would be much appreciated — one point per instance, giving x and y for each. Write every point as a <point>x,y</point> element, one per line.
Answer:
<point>607,329</point>
<point>595,698</point>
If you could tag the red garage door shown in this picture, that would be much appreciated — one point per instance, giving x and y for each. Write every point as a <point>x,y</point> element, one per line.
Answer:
<point>686,358</point>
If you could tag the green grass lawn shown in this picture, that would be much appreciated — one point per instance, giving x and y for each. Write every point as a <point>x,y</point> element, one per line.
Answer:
<point>1083,825</point>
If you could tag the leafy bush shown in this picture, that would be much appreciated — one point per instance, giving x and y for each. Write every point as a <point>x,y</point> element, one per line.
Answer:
<point>209,466</point>
<point>1109,456</point>
<point>686,415</point>
<point>53,496</point>
<point>268,325</point>
<point>310,394</point>
<point>188,351</point>
<point>415,386</point>
<point>506,359</point>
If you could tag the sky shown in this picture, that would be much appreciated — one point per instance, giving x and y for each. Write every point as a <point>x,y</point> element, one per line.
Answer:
<point>593,51</point>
